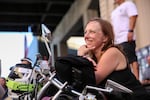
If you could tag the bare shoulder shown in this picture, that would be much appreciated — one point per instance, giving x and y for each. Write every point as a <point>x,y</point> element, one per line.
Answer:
<point>114,57</point>
<point>113,50</point>
<point>111,53</point>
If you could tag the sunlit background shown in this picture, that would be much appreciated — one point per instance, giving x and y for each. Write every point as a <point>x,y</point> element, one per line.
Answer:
<point>13,47</point>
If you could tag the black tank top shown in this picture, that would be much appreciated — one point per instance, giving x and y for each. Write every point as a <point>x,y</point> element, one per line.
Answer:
<point>126,78</point>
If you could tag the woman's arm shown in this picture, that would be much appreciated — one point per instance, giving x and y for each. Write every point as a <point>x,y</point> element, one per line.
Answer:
<point>110,61</point>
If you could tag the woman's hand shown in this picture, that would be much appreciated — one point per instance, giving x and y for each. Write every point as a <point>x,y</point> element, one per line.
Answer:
<point>91,60</point>
<point>83,50</point>
<point>130,36</point>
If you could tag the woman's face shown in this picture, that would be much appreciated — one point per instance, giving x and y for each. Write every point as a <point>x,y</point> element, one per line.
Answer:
<point>93,35</point>
<point>2,81</point>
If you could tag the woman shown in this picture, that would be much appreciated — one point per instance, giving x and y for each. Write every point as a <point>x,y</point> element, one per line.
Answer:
<point>109,60</point>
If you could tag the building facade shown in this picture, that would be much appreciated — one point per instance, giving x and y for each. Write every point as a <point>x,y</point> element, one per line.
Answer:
<point>75,19</point>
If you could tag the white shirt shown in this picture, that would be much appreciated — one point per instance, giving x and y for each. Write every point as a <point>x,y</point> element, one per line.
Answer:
<point>120,20</point>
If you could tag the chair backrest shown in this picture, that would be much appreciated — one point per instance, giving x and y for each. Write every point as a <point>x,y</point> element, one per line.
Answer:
<point>76,70</point>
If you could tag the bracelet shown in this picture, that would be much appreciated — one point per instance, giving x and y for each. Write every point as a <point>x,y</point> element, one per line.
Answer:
<point>130,30</point>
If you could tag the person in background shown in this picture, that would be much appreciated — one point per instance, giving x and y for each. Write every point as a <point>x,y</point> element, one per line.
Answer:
<point>146,73</point>
<point>148,60</point>
<point>108,59</point>
<point>123,20</point>
<point>25,63</point>
<point>2,92</point>
<point>3,84</point>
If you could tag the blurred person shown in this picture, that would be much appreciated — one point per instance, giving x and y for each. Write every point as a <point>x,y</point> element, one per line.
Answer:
<point>25,63</point>
<point>3,84</point>
<point>146,73</point>
<point>148,60</point>
<point>123,20</point>
<point>2,92</point>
